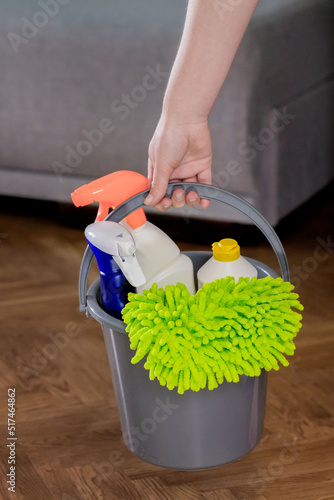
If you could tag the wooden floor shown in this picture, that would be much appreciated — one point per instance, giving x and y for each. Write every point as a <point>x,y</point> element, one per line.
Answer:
<point>69,444</point>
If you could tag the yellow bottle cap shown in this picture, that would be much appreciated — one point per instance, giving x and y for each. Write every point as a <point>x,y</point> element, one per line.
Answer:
<point>226,250</point>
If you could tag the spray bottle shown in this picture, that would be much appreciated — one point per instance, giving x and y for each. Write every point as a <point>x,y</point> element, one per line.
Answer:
<point>159,257</point>
<point>114,249</point>
<point>226,261</point>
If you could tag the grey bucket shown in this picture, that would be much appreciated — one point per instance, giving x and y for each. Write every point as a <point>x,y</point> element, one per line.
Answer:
<point>196,430</point>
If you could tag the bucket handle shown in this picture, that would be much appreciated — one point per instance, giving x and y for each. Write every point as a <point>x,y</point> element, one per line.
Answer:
<point>206,191</point>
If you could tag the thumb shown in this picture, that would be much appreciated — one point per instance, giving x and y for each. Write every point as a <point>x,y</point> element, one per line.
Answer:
<point>159,185</point>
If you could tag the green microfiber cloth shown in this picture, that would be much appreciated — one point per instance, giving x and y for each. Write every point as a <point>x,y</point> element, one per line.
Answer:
<point>225,330</point>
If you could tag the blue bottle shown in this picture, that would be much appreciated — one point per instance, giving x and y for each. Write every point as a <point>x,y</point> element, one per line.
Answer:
<point>113,246</point>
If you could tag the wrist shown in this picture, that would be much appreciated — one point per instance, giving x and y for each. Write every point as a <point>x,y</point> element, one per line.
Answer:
<point>183,110</point>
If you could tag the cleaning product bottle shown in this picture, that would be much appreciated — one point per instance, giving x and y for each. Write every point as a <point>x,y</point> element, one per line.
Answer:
<point>159,257</point>
<point>226,261</point>
<point>114,249</point>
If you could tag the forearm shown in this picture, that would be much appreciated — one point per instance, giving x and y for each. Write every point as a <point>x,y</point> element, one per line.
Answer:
<point>212,33</point>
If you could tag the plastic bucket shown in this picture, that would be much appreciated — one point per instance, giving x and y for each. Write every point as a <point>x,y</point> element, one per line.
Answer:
<point>196,430</point>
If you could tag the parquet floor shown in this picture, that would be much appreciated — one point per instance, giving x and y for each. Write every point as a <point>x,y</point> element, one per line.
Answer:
<point>69,444</point>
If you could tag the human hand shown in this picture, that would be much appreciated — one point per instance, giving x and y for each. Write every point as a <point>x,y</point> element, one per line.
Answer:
<point>178,152</point>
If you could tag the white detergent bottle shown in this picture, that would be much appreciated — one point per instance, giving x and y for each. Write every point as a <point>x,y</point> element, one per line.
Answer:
<point>226,261</point>
<point>160,258</point>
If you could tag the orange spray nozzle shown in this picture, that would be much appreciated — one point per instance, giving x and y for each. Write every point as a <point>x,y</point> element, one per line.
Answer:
<point>112,190</point>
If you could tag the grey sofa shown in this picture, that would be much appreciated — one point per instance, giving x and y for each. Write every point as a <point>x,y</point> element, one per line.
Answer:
<point>82,84</point>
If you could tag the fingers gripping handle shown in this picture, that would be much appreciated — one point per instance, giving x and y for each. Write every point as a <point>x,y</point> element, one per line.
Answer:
<point>204,191</point>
